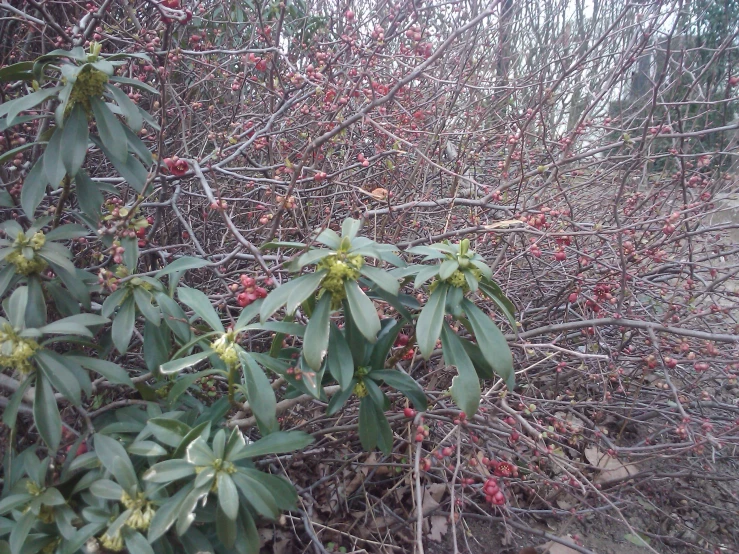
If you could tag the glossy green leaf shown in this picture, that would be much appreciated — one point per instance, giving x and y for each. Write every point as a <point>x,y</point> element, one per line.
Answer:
<point>143,303</point>
<point>123,324</point>
<point>46,415</point>
<point>34,188</point>
<point>202,307</point>
<point>381,278</point>
<point>112,372</point>
<point>279,296</point>
<point>260,395</point>
<point>256,494</point>
<point>404,383</point>
<point>115,459</point>
<point>169,470</point>
<point>179,364</point>
<point>340,360</point>
<point>493,344</point>
<point>74,138</point>
<point>129,110</point>
<point>182,264</point>
<point>89,196</point>
<point>55,370</point>
<point>315,344</point>
<point>110,129</point>
<point>27,102</point>
<point>280,442</point>
<point>136,543</point>
<point>368,428</point>
<point>431,320</point>
<point>362,310</point>
<point>465,387</point>
<point>54,159</point>
<point>167,513</point>
<point>339,399</point>
<point>308,285</point>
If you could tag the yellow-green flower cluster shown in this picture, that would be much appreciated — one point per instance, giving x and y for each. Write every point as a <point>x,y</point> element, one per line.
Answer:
<point>141,511</point>
<point>24,257</point>
<point>225,347</point>
<point>113,543</point>
<point>457,279</point>
<point>360,389</point>
<point>341,268</point>
<point>90,83</point>
<point>16,352</point>
<point>218,465</point>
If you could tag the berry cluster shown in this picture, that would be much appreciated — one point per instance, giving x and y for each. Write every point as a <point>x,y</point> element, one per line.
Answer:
<point>251,291</point>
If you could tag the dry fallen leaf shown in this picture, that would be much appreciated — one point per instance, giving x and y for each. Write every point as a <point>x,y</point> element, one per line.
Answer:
<point>610,468</point>
<point>379,193</point>
<point>439,527</point>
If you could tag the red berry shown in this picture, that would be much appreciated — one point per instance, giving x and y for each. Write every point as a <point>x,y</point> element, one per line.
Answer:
<point>409,412</point>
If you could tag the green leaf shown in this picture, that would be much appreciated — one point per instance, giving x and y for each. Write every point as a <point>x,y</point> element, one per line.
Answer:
<point>200,431</point>
<point>168,431</point>
<point>167,513</point>
<point>133,83</point>
<point>315,343</point>
<point>130,168</point>
<point>368,428</point>
<point>403,383</point>
<point>381,278</point>
<point>466,385</point>
<point>60,376</point>
<point>112,372</point>
<point>328,237</point>
<point>202,307</point>
<point>185,382</point>
<point>425,274</point>
<point>431,320</point>
<point>495,293</point>
<point>362,310</point>
<point>7,275</point>
<point>260,395</point>
<point>136,543</point>
<point>385,341</point>
<point>447,268</point>
<point>308,285</point>
<point>46,415</point>
<point>228,496</point>
<point>115,459</point>
<point>256,494</point>
<point>279,296</point>
<point>375,393</point>
<point>350,228</point>
<point>53,159</point>
<point>143,303</point>
<point>20,531</point>
<point>123,325</point>
<point>110,129</point>
<point>107,489</point>
<point>175,366</point>
<point>340,361</point>
<point>492,343</point>
<point>339,399</point>
<point>74,137</point>
<point>174,317</point>
<point>169,470</point>
<point>36,306</point>
<point>27,102</point>
<point>34,188</point>
<point>11,408</point>
<point>147,448</point>
<point>129,110</point>
<point>89,196</point>
<point>182,264</point>
<point>280,442</point>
